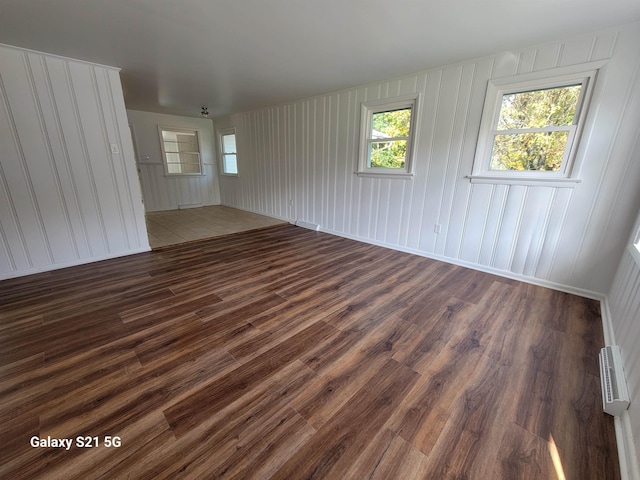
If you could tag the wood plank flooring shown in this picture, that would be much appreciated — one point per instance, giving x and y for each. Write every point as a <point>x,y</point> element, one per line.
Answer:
<point>291,354</point>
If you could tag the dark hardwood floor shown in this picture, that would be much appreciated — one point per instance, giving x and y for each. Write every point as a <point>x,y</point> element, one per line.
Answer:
<point>291,354</point>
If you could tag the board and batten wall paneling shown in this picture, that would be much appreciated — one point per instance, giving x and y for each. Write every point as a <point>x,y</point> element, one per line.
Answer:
<point>624,312</point>
<point>297,162</point>
<point>622,305</point>
<point>65,197</point>
<point>162,192</point>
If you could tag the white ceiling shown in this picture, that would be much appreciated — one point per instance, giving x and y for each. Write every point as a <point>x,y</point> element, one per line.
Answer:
<point>177,55</point>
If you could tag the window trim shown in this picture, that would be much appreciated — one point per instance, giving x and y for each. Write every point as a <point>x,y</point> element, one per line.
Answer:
<point>221,133</point>
<point>367,110</point>
<point>634,245</point>
<point>585,73</point>
<point>167,128</point>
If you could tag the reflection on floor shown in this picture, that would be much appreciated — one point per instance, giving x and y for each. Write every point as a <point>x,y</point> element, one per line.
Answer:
<point>180,226</point>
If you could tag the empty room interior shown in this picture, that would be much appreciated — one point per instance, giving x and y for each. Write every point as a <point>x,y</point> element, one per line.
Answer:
<point>329,240</point>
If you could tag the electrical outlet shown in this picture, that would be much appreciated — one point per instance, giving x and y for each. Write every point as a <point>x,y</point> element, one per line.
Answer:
<point>436,228</point>
<point>114,148</point>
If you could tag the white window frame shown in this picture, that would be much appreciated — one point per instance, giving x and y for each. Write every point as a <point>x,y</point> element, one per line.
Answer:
<point>368,109</point>
<point>189,131</point>
<point>584,74</point>
<point>634,246</point>
<point>221,133</point>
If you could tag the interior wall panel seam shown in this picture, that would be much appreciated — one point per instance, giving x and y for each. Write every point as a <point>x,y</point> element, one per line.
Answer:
<point>629,163</point>
<point>544,230</point>
<point>352,139</point>
<point>560,232</point>
<point>606,171</point>
<point>629,291</point>
<point>632,307</point>
<point>122,163</point>
<point>328,160</point>
<point>559,53</point>
<point>20,154</point>
<point>429,159</point>
<point>614,44</point>
<point>74,194</point>
<point>97,98</point>
<point>485,221</point>
<point>459,159</point>
<point>336,162</point>
<point>503,208</point>
<point>52,164</point>
<point>451,138</point>
<point>98,95</point>
<point>592,49</point>
<point>14,218</point>
<point>45,139</point>
<point>87,162</point>
<point>516,237</point>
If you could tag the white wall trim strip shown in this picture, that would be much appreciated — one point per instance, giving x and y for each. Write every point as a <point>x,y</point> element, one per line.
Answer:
<point>473,266</point>
<point>73,263</point>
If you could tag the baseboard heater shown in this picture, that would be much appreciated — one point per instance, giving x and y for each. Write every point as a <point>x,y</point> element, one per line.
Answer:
<point>615,395</point>
<point>309,225</point>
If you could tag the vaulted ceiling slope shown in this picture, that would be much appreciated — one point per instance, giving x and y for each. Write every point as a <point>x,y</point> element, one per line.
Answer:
<point>177,55</point>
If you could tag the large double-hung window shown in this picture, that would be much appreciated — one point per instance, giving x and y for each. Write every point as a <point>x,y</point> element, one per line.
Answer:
<point>531,126</point>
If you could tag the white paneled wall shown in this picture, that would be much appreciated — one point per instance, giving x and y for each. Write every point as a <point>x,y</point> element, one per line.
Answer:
<point>68,187</point>
<point>297,161</point>
<point>163,192</point>
<point>624,307</point>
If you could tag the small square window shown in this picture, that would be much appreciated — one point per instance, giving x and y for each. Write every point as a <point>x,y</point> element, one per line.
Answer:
<point>387,131</point>
<point>228,151</point>
<point>180,151</point>
<point>531,125</point>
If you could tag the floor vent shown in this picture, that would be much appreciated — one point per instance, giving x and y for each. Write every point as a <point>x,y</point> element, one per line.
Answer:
<point>310,226</point>
<point>615,396</point>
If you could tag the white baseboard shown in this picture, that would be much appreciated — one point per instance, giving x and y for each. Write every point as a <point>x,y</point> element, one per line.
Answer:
<point>251,210</point>
<point>474,266</point>
<point>184,206</point>
<point>626,451</point>
<point>624,437</point>
<point>72,263</point>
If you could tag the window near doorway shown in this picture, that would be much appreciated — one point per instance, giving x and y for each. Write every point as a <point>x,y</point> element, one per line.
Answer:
<point>531,126</point>
<point>228,151</point>
<point>180,151</point>
<point>387,137</point>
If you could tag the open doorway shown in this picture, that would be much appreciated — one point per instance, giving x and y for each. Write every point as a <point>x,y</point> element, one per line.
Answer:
<point>171,227</point>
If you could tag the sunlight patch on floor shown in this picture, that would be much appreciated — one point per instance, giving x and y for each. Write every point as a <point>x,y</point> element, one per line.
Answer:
<point>555,458</point>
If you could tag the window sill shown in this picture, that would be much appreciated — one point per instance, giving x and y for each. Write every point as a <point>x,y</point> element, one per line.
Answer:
<point>178,175</point>
<point>536,182</point>
<point>229,174</point>
<point>402,176</point>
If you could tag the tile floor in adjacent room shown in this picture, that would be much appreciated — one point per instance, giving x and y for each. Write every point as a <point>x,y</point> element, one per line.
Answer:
<point>171,227</point>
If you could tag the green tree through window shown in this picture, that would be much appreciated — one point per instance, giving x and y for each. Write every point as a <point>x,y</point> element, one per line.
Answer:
<point>533,129</point>
<point>389,137</point>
